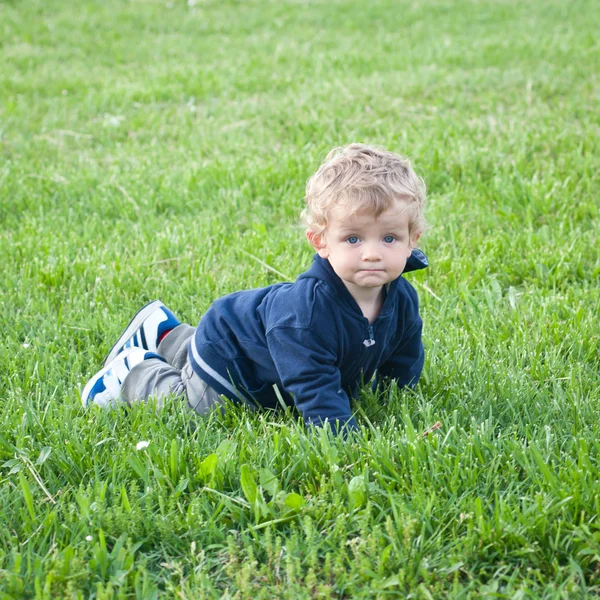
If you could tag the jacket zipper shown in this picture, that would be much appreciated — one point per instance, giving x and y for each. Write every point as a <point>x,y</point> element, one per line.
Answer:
<point>360,363</point>
<point>371,341</point>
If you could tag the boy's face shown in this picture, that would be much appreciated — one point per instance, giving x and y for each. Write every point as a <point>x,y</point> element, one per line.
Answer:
<point>366,251</point>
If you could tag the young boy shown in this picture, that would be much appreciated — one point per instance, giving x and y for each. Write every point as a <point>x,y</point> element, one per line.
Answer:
<point>349,317</point>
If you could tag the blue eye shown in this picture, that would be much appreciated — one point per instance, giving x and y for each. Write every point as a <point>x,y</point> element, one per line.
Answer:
<point>352,239</point>
<point>388,239</point>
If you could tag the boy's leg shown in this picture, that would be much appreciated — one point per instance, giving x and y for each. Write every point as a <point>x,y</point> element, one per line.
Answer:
<point>153,378</point>
<point>173,347</point>
<point>200,396</point>
<point>134,375</point>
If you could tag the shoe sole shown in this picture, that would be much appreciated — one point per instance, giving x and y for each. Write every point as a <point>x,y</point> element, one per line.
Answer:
<point>134,324</point>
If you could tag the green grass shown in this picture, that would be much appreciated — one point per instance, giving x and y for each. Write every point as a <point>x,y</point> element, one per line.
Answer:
<point>152,150</point>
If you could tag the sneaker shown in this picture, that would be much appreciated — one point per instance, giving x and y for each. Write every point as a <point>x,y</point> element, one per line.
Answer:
<point>104,388</point>
<point>145,330</point>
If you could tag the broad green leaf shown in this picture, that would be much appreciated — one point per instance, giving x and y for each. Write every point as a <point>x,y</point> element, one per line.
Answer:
<point>27,495</point>
<point>248,482</point>
<point>357,491</point>
<point>294,501</point>
<point>44,454</point>
<point>268,481</point>
<point>226,450</point>
<point>138,467</point>
<point>208,467</point>
<point>392,581</point>
<point>14,464</point>
<point>181,486</point>
<point>125,499</point>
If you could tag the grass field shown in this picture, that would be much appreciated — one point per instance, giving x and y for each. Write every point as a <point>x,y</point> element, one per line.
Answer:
<point>153,149</point>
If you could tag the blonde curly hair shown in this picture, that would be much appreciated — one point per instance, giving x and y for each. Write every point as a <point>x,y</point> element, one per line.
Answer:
<point>362,178</point>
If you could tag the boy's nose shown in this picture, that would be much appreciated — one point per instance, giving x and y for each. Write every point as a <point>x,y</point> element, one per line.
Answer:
<point>371,253</point>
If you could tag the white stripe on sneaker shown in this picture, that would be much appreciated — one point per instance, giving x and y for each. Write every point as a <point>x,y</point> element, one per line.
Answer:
<point>127,339</point>
<point>120,369</point>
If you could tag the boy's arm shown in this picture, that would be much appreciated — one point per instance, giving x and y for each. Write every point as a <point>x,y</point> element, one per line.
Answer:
<point>305,362</point>
<point>406,363</point>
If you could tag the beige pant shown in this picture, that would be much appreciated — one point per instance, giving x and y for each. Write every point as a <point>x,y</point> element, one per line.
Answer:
<point>154,378</point>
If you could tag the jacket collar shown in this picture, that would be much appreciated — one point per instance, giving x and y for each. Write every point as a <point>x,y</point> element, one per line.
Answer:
<point>321,269</point>
<point>416,261</point>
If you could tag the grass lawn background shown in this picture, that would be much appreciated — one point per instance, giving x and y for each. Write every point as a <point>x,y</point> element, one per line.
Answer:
<point>160,150</point>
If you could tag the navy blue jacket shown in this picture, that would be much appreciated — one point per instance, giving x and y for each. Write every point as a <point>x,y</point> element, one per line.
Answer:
<point>311,340</point>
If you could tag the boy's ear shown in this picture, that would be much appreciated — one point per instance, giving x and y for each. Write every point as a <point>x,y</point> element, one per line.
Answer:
<point>414,239</point>
<point>412,243</point>
<point>318,243</point>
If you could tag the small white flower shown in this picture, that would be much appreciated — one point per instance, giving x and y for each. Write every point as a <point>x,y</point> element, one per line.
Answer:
<point>191,104</point>
<point>26,345</point>
<point>88,538</point>
<point>141,445</point>
<point>112,120</point>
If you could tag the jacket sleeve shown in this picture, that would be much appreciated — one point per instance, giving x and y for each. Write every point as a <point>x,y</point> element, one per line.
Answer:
<point>406,363</point>
<point>306,364</point>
